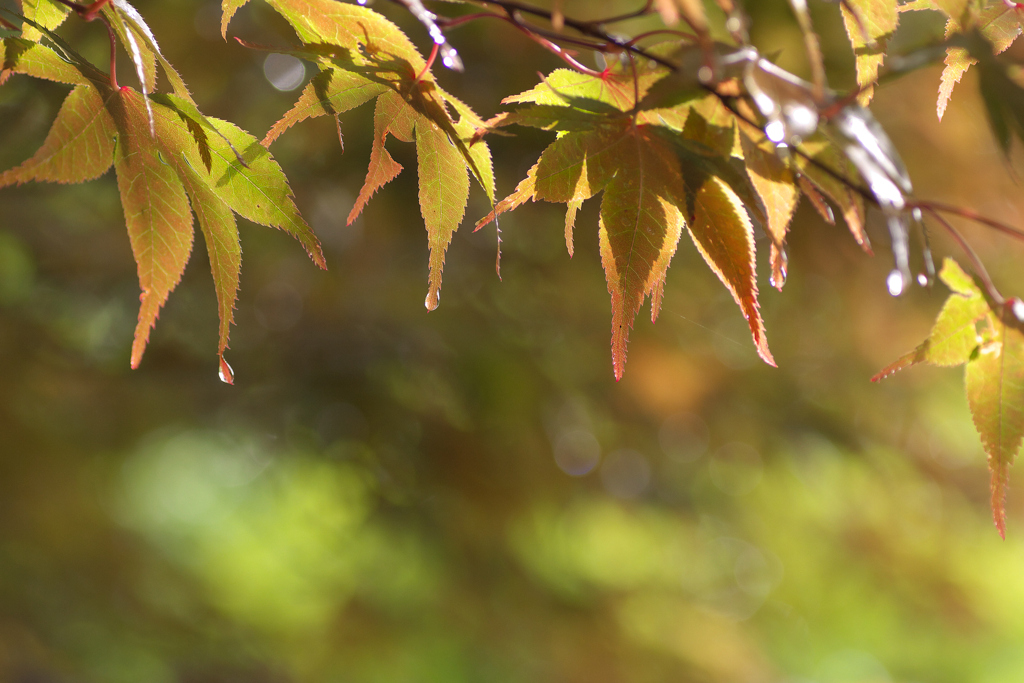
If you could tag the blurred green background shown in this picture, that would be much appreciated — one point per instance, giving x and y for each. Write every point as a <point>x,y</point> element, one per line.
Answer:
<point>465,495</point>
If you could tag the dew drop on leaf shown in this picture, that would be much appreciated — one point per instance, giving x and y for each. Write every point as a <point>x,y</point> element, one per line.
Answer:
<point>226,374</point>
<point>924,280</point>
<point>895,282</point>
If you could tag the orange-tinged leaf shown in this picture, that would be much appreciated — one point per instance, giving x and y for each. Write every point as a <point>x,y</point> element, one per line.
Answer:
<point>156,211</point>
<point>774,183</point>
<point>443,192</point>
<point>902,363</point>
<point>810,191</point>
<point>639,229</point>
<point>869,29</point>
<point>161,162</point>
<point>391,117</point>
<point>849,202</point>
<point>999,24</point>
<point>329,93</point>
<point>995,393</point>
<point>561,167</point>
<point>957,63</point>
<point>79,146</point>
<point>724,236</point>
<point>228,9</point>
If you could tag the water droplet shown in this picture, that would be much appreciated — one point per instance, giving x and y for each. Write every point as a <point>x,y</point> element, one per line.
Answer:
<point>705,74</point>
<point>1018,308</point>
<point>895,282</point>
<point>780,263</point>
<point>450,58</point>
<point>776,131</point>
<point>226,374</point>
<point>924,280</point>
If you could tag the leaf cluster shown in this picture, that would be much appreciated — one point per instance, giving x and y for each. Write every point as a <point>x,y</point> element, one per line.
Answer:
<point>685,136</point>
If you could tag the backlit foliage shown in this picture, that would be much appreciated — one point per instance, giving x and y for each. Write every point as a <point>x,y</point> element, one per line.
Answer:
<point>682,131</point>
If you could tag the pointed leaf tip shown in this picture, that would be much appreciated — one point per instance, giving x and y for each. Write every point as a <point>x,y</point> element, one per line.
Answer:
<point>228,9</point>
<point>724,236</point>
<point>995,394</point>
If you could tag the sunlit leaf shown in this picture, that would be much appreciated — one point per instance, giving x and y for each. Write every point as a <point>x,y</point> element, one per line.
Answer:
<point>329,93</point>
<point>869,27</point>
<point>161,163</point>
<point>995,393</point>
<point>443,192</point>
<point>775,185</point>
<point>640,225</point>
<point>156,210</point>
<point>228,9</point>
<point>724,235</point>
<point>364,56</point>
<point>48,13</point>
<point>999,24</point>
<point>990,343</point>
<point>79,146</point>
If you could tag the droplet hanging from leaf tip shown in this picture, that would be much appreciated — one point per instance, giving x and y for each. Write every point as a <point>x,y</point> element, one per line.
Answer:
<point>895,282</point>
<point>1017,307</point>
<point>226,374</point>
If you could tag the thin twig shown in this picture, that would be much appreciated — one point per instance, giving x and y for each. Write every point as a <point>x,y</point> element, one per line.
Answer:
<point>971,215</point>
<point>91,13</point>
<point>972,256</point>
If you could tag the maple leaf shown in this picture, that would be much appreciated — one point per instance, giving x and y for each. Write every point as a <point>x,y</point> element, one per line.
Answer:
<point>660,171</point>
<point>48,14</point>
<point>999,24</point>
<point>362,57</point>
<point>779,194</point>
<point>989,341</point>
<point>815,180</point>
<point>869,25</point>
<point>167,166</point>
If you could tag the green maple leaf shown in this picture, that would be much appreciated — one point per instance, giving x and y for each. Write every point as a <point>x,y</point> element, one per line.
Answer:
<point>362,56</point>
<point>170,160</point>
<point>49,14</point>
<point>661,171</point>
<point>989,341</point>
